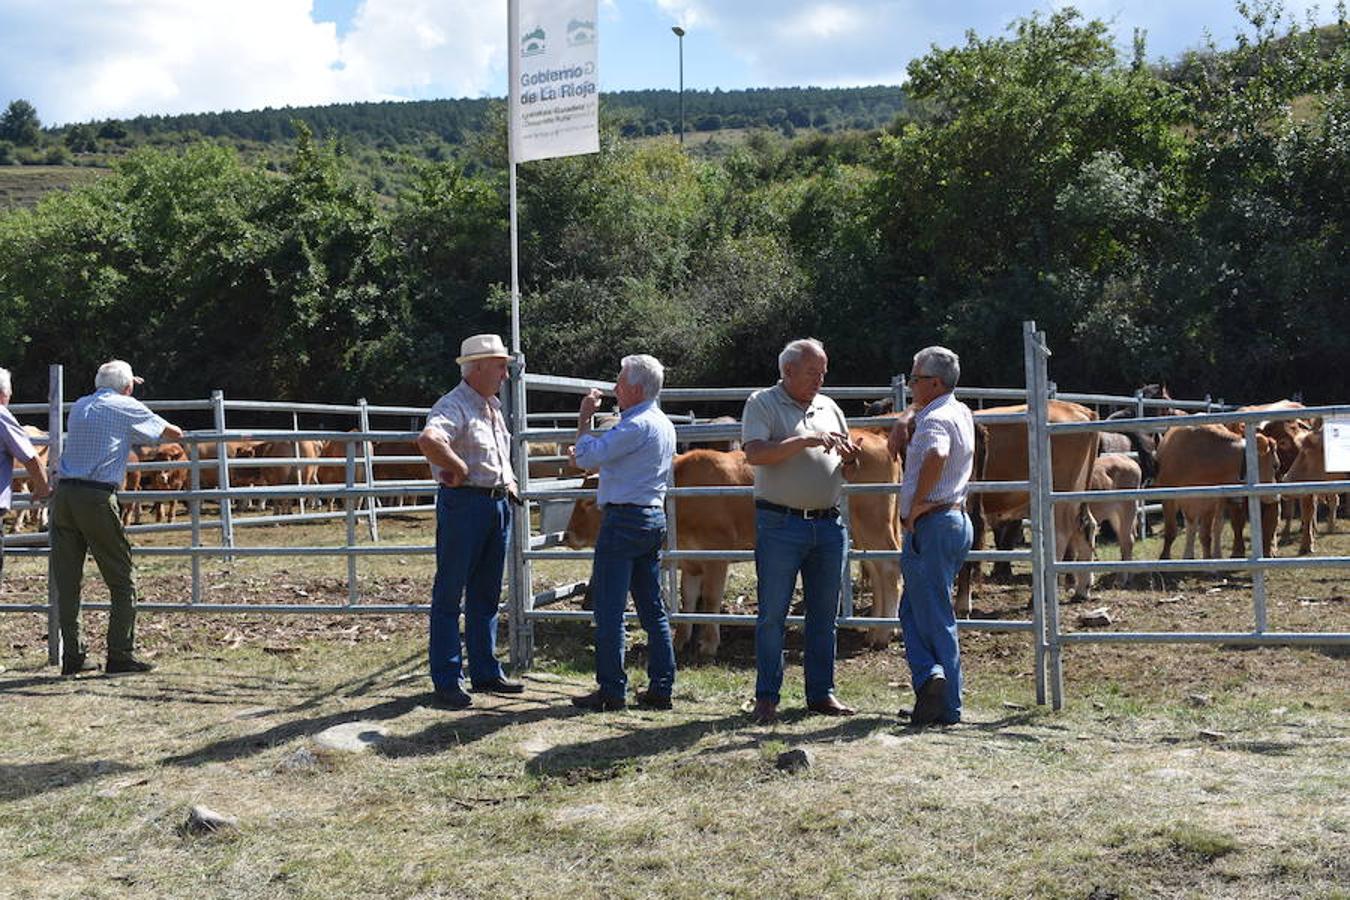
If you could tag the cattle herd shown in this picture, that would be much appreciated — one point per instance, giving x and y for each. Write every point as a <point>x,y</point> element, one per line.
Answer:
<point>1289,450</point>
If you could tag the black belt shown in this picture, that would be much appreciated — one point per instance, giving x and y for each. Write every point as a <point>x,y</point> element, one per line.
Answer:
<point>86,483</point>
<point>500,492</point>
<point>946,507</point>
<point>830,513</point>
<point>631,506</point>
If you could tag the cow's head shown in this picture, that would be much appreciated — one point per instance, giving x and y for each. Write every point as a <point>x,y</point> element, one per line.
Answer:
<point>162,479</point>
<point>1267,462</point>
<point>584,525</point>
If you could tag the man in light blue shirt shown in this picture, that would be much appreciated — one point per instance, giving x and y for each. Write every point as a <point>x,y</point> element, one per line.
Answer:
<point>634,458</point>
<point>101,429</point>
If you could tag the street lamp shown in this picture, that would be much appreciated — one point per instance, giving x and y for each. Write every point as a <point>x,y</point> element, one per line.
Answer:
<point>679,33</point>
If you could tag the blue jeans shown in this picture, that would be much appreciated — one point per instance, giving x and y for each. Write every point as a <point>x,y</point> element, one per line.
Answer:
<point>785,545</point>
<point>933,554</point>
<point>471,530</point>
<point>627,558</point>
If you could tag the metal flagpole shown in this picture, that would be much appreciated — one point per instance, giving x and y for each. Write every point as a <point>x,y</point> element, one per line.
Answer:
<point>513,73</point>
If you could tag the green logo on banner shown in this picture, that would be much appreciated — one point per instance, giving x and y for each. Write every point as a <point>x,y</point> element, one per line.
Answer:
<point>532,44</point>
<point>580,32</point>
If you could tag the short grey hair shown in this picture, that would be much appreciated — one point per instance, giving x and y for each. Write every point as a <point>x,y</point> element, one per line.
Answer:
<point>646,372</point>
<point>6,385</point>
<point>115,374</point>
<point>795,350</point>
<point>940,362</point>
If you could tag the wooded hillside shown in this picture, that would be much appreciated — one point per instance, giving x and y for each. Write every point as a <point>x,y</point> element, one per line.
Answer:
<point>1191,230</point>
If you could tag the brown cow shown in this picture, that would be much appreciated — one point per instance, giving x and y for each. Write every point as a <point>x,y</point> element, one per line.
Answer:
<point>1071,459</point>
<point>278,476</point>
<point>166,479</point>
<point>404,471</point>
<point>1192,455</point>
<point>1286,434</point>
<point>131,481</point>
<point>1310,465</point>
<point>1114,472</point>
<point>728,523</point>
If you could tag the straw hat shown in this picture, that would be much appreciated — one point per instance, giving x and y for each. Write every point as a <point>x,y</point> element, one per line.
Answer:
<point>481,346</point>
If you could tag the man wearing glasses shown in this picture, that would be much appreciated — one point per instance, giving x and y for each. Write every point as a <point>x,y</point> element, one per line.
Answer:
<point>938,534</point>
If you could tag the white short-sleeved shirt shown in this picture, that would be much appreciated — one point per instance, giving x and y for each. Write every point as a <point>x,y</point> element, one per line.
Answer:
<point>945,425</point>
<point>811,479</point>
<point>478,435</point>
<point>101,430</point>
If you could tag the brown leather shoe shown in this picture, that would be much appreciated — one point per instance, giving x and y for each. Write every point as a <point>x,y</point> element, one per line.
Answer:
<point>766,712</point>
<point>830,706</point>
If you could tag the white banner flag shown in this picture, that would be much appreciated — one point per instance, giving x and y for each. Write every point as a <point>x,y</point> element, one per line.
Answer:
<point>555,82</point>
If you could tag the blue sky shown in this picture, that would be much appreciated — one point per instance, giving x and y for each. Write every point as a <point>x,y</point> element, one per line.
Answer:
<point>86,59</point>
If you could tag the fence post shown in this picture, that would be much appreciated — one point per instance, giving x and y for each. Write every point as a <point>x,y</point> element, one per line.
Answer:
<point>1035,400</point>
<point>520,628</point>
<point>1254,510</point>
<point>372,503</point>
<point>223,472</point>
<point>1140,516</point>
<point>352,593</point>
<point>299,467</point>
<point>55,398</point>
<point>672,543</point>
<point>1045,390</point>
<point>195,508</point>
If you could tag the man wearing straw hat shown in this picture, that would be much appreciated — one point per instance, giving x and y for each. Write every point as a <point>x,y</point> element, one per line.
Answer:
<point>469,447</point>
<point>15,445</point>
<point>101,429</point>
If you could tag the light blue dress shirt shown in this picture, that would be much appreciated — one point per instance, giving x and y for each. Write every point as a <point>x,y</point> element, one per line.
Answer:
<point>102,428</point>
<point>14,447</point>
<point>634,457</point>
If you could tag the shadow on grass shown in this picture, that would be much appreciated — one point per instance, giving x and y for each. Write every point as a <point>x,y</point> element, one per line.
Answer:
<point>635,741</point>
<point>251,744</point>
<point>20,780</point>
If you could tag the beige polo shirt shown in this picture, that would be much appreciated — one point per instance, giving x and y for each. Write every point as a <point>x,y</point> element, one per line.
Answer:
<point>811,479</point>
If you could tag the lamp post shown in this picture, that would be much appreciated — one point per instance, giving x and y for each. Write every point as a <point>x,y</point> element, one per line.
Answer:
<point>679,33</point>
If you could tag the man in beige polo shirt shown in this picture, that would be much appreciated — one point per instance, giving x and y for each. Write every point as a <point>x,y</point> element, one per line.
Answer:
<point>797,439</point>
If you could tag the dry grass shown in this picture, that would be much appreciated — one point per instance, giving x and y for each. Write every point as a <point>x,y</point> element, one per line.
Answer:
<point>1120,794</point>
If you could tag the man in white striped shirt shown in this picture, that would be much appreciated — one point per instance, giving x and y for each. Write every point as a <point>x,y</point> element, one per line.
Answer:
<point>938,534</point>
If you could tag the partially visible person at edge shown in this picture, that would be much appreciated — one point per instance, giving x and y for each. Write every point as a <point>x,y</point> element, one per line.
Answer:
<point>937,532</point>
<point>468,444</point>
<point>15,445</point>
<point>100,431</point>
<point>797,439</point>
<point>634,458</point>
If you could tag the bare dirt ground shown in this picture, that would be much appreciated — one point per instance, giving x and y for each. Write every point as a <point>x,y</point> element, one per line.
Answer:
<point>1173,770</point>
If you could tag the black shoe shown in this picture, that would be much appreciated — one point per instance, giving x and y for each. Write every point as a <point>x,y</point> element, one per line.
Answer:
<point>931,702</point>
<point>596,701</point>
<point>127,664</point>
<point>452,698</point>
<point>499,685</point>
<point>648,699</point>
<point>74,665</point>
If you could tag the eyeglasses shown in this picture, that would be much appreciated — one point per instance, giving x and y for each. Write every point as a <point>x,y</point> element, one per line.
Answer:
<point>914,378</point>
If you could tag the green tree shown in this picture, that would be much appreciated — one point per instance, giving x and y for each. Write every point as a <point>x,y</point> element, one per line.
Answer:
<point>19,123</point>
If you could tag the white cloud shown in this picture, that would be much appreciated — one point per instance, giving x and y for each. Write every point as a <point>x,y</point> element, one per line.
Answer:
<point>111,58</point>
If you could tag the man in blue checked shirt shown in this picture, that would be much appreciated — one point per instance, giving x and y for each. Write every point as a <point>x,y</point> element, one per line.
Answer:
<point>634,458</point>
<point>101,430</point>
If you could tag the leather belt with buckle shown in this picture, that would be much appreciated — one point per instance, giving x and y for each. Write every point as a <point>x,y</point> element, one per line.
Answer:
<point>828,513</point>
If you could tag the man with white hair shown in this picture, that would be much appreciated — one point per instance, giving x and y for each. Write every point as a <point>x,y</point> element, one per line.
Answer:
<point>938,533</point>
<point>100,431</point>
<point>468,444</point>
<point>797,439</point>
<point>15,445</point>
<point>634,458</point>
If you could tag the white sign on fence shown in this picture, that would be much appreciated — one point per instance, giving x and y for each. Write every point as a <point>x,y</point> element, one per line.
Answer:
<point>1336,443</point>
<point>555,85</point>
